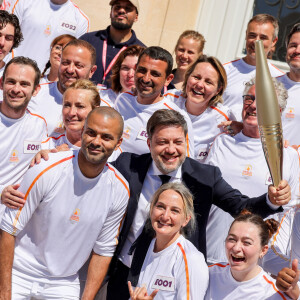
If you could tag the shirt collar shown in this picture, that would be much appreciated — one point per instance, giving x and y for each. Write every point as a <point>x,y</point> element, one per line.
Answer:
<point>153,170</point>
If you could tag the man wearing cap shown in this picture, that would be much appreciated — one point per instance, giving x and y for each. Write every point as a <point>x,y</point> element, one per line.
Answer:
<point>110,42</point>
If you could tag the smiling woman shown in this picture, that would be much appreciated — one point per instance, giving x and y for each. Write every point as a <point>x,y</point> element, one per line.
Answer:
<point>242,277</point>
<point>201,96</point>
<point>173,268</point>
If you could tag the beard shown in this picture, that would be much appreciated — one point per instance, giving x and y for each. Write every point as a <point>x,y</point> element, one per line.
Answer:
<point>120,26</point>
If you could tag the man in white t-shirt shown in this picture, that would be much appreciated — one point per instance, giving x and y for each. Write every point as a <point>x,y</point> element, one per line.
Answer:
<point>153,73</point>
<point>21,132</point>
<point>42,21</point>
<point>261,27</point>
<point>242,162</point>
<point>77,62</point>
<point>291,81</point>
<point>76,200</point>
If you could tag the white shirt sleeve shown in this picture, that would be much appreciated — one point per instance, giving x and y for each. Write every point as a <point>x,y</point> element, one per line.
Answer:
<point>108,238</point>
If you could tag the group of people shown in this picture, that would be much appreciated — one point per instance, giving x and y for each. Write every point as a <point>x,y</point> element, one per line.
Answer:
<point>124,178</point>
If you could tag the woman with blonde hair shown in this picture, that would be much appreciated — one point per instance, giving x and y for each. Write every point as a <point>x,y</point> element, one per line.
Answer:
<point>172,267</point>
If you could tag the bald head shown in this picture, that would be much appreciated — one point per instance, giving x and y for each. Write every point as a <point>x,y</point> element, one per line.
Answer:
<point>108,114</point>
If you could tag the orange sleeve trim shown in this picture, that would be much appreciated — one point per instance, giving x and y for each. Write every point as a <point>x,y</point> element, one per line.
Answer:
<point>170,94</point>
<point>120,149</point>
<point>123,182</point>
<point>219,265</point>
<point>187,145</point>
<point>50,82</point>
<point>129,93</point>
<point>37,116</point>
<point>33,183</point>
<point>119,228</point>
<point>14,7</point>
<point>186,272</point>
<point>273,285</point>
<point>278,69</point>
<point>231,62</point>
<point>220,112</point>
<point>168,106</point>
<point>105,102</point>
<point>275,237</point>
<point>83,14</point>
<point>54,138</point>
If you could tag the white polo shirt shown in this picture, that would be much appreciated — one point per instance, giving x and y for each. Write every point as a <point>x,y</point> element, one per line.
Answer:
<point>21,140</point>
<point>222,286</point>
<point>243,165</point>
<point>136,116</point>
<point>178,272</point>
<point>205,126</point>
<point>238,73</point>
<point>48,104</point>
<point>65,217</point>
<point>41,21</point>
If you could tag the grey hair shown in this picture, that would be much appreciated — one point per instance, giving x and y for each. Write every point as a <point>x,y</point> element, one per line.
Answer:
<point>188,206</point>
<point>282,93</point>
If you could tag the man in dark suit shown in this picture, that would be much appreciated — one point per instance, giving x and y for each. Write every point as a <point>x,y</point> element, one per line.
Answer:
<point>167,130</point>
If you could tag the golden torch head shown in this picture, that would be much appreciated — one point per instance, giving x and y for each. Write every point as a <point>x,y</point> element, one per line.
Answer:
<point>268,115</point>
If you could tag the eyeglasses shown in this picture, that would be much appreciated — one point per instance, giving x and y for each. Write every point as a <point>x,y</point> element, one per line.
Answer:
<point>248,99</point>
<point>57,48</point>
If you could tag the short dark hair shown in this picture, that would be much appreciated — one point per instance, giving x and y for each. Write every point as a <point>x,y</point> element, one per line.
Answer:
<point>21,60</point>
<point>133,50</point>
<point>84,44</point>
<point>166,117</point>
<point>295,28</point>
<point>159,53</point>
<point>7,18</point>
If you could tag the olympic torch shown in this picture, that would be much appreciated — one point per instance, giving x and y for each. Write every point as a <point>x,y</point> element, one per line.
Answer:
<point>268,115</point>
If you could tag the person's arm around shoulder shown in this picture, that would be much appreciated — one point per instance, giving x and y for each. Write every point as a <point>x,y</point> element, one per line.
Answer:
<point>7,245</point>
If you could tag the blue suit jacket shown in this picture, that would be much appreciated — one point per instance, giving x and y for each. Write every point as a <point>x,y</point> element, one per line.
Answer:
<point>205,183</point>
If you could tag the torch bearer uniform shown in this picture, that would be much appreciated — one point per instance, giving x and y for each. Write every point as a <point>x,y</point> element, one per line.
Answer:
<point>238,72</point>
<point>108,97</point>
<point>243,165</point>
<point>285,243</point>
<point>222,286</point>
<point>291,115</point>
<point>136,116</point>
<point>65,217</point>
<point>205,126</point>
<point>178,272</point>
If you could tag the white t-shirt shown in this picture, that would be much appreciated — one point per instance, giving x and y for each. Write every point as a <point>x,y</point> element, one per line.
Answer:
<point>284,245</point>
<point>205,126</point>
<point>243,165</point>
<point>238,73</point>
<point>108,97</point>
<point>222,286</point>
<point>21,139</point>
<point>42,21</point>
<point>65,217</point>
<point>48,104</point>
<point>179,272</point>
<point>291,115</point>
<point>58,139</point>
<point>136,116</point>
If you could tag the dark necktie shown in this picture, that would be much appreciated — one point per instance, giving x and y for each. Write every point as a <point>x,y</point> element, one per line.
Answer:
<point>164,178</point>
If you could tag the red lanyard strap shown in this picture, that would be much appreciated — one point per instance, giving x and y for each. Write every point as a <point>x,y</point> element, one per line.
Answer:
<point>104,52</point>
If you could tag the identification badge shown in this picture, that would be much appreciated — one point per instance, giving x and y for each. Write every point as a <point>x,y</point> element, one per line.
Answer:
<point>202,154</point>
<point>68,26</point>
<point>164,283</point>
<point>142,135</point>
<point>31,147</point>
